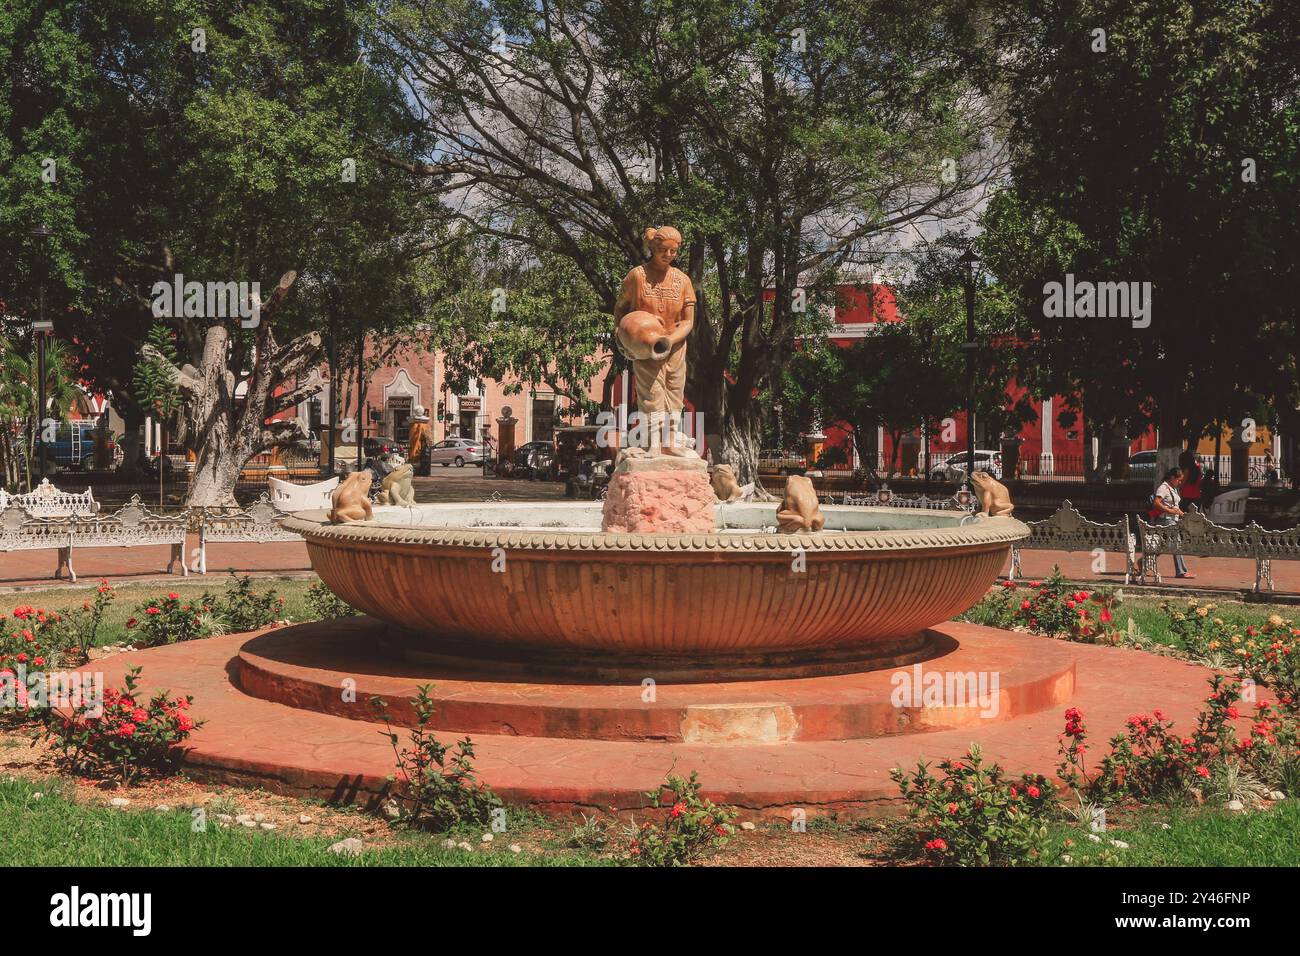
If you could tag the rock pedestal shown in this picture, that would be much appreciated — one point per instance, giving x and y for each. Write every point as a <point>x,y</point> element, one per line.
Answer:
<point>663,494</point>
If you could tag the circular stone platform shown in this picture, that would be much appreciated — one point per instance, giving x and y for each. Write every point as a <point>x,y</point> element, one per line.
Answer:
<point>305,667</point>
<point>288,710</point>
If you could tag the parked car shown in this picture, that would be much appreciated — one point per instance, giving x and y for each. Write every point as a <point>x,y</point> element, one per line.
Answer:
<point>954,469</point>
<point>774,460</point>
<point>534,459</point>
<point>1142,466</point>
<point>74,446</point>
<point>456,451</point>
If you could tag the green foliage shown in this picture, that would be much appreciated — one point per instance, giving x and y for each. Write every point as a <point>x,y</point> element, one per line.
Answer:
<point>154,387</point>
<point>1151,762</point>
<point>222,163</point>
<point>81,628</point>
<point>123,736</point>
<point>171,618</point>
<point>324,605</point>
<point>1267,652</point>
<point>974,816</point>
<point>435,787</point>
<point>1052,607</point>
<point>245,608</point>
<point>1133,163</point>
<point>692,825</point>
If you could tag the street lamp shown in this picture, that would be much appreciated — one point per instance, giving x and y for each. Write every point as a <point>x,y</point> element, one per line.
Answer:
<point>969,259</point>
<point>41,328</point>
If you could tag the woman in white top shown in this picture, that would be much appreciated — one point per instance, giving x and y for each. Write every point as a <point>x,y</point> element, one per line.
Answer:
<point>1167,503</point>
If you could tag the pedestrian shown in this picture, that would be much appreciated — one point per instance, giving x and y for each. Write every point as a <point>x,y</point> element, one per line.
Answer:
<point>1165,508</point>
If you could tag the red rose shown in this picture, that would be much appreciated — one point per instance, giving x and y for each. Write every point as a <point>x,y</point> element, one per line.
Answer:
<point>1033,792</point>
<point>126,729</point>
<point>677,810</point>
<point>952,808</point>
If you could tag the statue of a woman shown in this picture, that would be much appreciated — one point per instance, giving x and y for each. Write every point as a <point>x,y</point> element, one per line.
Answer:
<point>658,350</point>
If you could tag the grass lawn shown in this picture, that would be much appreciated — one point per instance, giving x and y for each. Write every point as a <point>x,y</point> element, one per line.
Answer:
<point>1203,838</point>
<point>55,830</point>
<point>52,830</point>
<point>131,596</point>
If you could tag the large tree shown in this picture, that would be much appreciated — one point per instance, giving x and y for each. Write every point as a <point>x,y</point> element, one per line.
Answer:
<point>1157,141</point>
<point>782,138</point>
<point>226,141</point>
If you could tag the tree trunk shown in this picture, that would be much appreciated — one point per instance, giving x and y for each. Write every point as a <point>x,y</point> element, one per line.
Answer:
<point>215,475</point>
<point>1170,444</point>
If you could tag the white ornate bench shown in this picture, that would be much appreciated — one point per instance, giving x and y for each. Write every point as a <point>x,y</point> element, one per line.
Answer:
<point>131,526</point>
<point>1196,535</point>
<point>287,497</point>
<point>47,501</point>
<point>261,522</point>
<point>1068,530</point>
<point>20,531</point>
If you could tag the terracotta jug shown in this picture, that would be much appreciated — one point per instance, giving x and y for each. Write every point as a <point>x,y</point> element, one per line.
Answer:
<point>641,334</point>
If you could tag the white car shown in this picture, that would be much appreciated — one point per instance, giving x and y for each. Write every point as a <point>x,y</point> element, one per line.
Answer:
<point>456,451</point>
<point>954,469</point>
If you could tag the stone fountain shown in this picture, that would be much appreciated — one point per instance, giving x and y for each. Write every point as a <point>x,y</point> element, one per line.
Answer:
<point>780,649</point>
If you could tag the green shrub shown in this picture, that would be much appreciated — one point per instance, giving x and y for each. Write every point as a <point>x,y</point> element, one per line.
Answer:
<point>435,788</point>
<point>324,605</point>
<point>973,816</point>
<point>243,608</point>
<point>692,826</point>
<point>121,736</point>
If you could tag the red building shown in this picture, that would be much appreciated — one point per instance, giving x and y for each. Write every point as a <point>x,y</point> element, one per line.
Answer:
<point>1047,447</point>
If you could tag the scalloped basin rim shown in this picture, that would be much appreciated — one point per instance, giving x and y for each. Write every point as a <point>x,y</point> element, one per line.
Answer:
<point>564,526</point>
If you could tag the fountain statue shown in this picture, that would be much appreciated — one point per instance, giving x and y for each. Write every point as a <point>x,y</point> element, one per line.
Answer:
<point>663,488</point>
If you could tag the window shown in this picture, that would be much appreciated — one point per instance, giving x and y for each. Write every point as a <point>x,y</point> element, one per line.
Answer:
<point>543,419</point>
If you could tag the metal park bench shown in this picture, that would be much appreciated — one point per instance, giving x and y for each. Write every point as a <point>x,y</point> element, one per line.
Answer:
<point>1068,530</point>
<point>21,531</point>
<point>261,522</point>
<point>131,526</point>
<point>47,501</point>
<point>1196,535</point>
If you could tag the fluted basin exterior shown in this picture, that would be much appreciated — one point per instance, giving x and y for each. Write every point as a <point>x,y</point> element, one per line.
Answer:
<point>532,578</point>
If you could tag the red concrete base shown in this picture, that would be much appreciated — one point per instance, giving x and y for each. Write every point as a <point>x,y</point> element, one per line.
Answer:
<point>306,667</point>
<point>763,748</point>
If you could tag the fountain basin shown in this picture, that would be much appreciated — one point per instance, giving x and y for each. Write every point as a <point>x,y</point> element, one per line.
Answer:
<point>537,586</point>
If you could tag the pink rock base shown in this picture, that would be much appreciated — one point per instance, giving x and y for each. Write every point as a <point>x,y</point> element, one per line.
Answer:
<point>659,502</point>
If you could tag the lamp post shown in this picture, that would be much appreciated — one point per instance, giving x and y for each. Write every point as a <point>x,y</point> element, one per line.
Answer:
<point>40,328</point>
<point>969,259</point>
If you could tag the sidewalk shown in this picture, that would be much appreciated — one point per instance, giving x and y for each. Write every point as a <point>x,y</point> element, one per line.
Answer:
<point>20,569</point>
<point>1211,573</point>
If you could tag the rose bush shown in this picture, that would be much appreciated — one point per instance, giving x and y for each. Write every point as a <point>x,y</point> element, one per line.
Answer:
<point>127,737</point>
<point>1151,761</point>
<point>691,826</point>
<point>1050,607</point>
<point>974,815</point>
